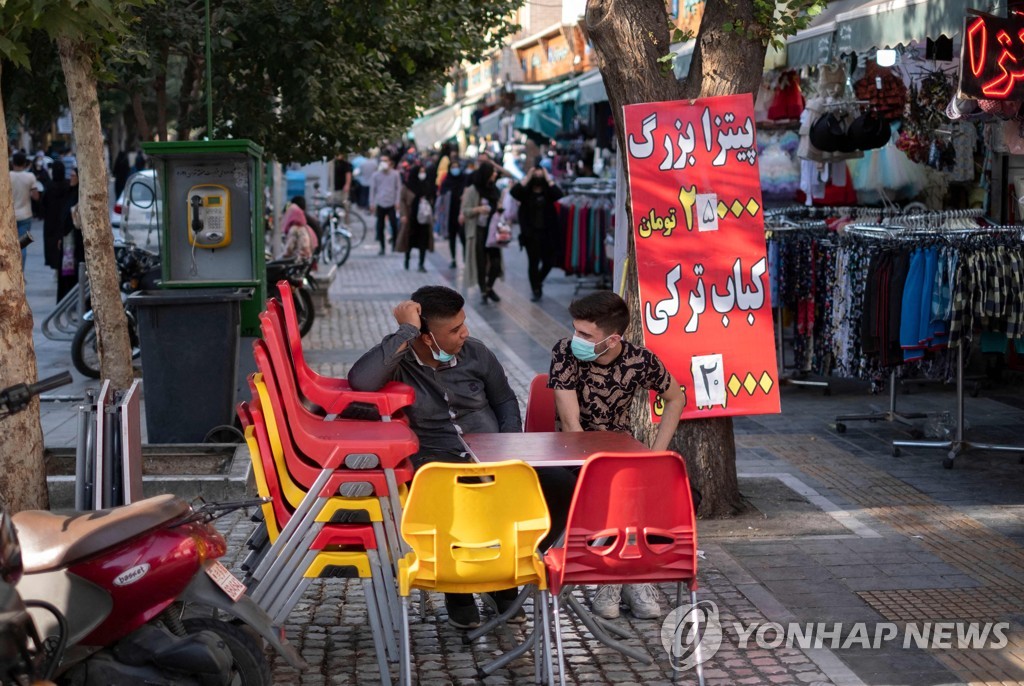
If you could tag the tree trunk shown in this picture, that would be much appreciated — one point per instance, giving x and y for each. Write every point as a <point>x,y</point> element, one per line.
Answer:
<point>23,477</point>
<point>111,323</point>
<point>629,38</point>
<point>141,123</point>
<point>160,85</point>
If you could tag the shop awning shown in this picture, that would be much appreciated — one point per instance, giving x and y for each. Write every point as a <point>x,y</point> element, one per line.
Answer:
<point>846,26</point>
<point>882,23</point>
<point>684,55</point>
<point>813,45</point>
<point>544,119</point>
<point>436,126</point>
<point>592,89</point>
<point>490,123</point>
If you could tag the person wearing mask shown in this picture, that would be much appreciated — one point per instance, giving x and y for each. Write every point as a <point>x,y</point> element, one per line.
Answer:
<point>480,201</point>
<point>385,196</point>
<point>460,387</point>
<point>538,221</point>
<point>454,184</point>
<point>595,374</point>
<point>417,217</point>
<point>25,189</point>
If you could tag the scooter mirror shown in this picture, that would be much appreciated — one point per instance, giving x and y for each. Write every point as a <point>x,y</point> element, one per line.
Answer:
<point>11,567</point>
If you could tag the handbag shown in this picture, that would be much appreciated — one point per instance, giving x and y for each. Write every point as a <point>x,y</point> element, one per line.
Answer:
<point>499,232</point>
<point>424,212</point>
<point>67,261</point>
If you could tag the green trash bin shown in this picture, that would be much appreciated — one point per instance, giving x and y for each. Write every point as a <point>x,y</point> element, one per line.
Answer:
<point>189,341</point>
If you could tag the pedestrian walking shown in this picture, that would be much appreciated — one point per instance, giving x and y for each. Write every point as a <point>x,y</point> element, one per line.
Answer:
<point>122,170</point>
<point>385,196</point>
<point>453,185</point>
<point>480,201</point>
<point>62,248</point>
<point>417,202</point>
<point>25,189</point>
<point>538,222</point>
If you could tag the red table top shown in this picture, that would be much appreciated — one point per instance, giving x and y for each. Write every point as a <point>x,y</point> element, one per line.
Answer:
<point>550,449</point>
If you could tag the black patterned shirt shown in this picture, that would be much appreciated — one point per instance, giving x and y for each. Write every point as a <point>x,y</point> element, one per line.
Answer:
<point>604,391</point>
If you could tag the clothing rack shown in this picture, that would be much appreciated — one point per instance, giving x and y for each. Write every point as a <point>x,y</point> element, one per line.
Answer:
<point>780,349</point>
<point>958,445</point>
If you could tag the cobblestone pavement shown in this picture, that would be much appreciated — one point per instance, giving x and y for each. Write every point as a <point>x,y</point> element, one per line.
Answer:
<point>838,530</point>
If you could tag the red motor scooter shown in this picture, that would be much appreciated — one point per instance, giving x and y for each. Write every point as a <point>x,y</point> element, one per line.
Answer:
<point>141,589</point>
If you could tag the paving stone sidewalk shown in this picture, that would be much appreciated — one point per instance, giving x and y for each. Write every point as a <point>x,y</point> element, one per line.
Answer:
<point>839,530</point>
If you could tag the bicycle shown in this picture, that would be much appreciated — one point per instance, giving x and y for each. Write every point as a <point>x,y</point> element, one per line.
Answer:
<point>335,240</point>
<point>325,207</point>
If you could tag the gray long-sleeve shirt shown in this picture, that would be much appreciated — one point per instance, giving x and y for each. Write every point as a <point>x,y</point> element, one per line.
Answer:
<point>471,393</point>
<point>385,187</point>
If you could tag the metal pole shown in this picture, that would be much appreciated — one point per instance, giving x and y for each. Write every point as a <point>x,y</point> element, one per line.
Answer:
<point>209,77</point>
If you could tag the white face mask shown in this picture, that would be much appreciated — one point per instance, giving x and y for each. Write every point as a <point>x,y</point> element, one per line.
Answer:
<point>422,176</point>
<point>383,166</point>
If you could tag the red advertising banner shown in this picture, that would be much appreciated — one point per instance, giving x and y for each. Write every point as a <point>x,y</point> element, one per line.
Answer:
<point>698,225</point>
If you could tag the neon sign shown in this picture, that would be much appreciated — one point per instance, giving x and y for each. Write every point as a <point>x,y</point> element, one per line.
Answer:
<point>992,58</point>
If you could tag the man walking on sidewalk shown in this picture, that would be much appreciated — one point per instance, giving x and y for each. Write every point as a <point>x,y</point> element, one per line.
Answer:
<point>595,375</point>
<point>385,195</point>
<point>25,187</point>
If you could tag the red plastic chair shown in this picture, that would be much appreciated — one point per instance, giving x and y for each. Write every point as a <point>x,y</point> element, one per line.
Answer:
<point>306,470</point>
<point>331,395</point>
<point>540,406</point>
<point>631,521</point>
<point>323,441</point>
<point>325,390</point>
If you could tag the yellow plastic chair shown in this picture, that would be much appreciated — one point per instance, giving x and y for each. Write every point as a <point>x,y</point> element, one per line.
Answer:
<point>328,564</point>
<point>475,529</point>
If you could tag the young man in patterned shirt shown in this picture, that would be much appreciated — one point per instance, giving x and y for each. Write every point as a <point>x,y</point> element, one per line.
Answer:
<point>595,375</point>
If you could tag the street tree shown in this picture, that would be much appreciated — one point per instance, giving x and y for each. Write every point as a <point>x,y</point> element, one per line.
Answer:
<point>82,29</point>
<point>631,39</point>
<point>23,477</point>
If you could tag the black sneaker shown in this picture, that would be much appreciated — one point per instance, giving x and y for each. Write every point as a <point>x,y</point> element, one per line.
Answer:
<point>462,616</point>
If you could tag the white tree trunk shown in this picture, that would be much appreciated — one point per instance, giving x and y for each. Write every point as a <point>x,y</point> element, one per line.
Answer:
<point>111,323</point>
<point>23,475</point>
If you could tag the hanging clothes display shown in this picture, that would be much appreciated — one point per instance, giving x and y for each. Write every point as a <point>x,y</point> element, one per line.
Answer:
<point>586,220</point>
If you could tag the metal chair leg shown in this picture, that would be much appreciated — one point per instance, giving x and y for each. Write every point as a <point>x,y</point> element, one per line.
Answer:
<point>537,675</point>
<point>557,611</point>
<point>697,637</point>
<point>377,631</point>
<point>405,670</point>
<point>543,598</point>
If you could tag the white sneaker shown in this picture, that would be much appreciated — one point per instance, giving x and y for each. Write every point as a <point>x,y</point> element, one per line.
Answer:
<point>643,600</point>
<point>606,601</point>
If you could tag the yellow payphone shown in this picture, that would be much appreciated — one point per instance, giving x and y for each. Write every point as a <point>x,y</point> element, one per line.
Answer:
<point>209,216</point>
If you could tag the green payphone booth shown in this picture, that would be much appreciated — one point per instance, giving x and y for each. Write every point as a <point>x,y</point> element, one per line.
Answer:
<point>213,286</point>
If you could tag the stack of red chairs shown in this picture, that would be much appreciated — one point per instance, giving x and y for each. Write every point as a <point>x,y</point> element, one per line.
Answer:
<point>335,485</point>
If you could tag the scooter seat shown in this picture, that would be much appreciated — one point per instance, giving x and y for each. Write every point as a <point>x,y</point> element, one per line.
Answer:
<point>51,541</point>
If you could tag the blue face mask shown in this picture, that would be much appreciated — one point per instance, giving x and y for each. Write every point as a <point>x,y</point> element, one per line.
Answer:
<point>440,355</point>
<point>455,171</point>
<point>585,350</point>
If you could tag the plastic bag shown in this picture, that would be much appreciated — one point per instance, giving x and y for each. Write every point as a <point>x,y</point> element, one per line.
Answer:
<point>424,212</point>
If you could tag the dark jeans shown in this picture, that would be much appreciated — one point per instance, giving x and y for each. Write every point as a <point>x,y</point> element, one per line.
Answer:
<point>408,254</point>
<point>556,483</point>
<point>488,261</point>
<point>456,233</point>
<point>538,265</point>
<point>392,217</point>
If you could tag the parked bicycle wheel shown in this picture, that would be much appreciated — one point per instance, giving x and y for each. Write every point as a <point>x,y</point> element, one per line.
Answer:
<point>84,353</point>
<point>357,226</point>
<point>340,245</point>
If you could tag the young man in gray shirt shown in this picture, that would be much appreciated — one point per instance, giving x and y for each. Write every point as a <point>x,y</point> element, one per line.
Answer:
<point>460,388</point>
